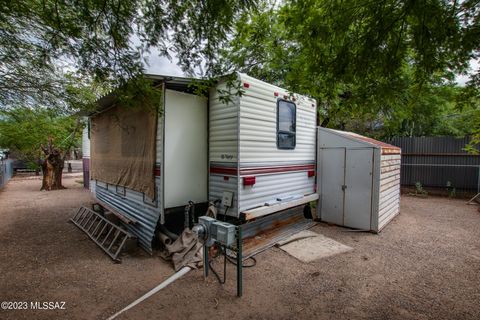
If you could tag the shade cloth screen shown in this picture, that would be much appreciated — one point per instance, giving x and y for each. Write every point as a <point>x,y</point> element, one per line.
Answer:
<point>123,142</point>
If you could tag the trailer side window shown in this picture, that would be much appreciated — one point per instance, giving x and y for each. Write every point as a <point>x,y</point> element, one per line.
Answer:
<point>286,124</point>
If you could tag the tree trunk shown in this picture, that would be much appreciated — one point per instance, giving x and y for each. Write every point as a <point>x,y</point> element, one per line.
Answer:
<point>52,167</point>
<point>54,162</point>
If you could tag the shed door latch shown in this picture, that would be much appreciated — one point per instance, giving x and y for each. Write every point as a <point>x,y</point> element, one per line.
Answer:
<point>344,187</point>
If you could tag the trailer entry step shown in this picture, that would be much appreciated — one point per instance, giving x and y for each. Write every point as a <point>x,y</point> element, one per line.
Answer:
<point>108,236</point>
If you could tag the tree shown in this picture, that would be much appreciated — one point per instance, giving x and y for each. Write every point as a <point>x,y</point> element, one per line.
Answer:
<point>53,164</point>
<point>22,130</point>
<point>363,60</point>
<point>103,41</point>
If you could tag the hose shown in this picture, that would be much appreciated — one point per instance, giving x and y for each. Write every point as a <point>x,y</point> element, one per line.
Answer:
<point>225,214</point>
<point>224,270</point>
<point>232,260</point>
<point>167,232</point>
<point>166,240</point>
<point>162,285</point>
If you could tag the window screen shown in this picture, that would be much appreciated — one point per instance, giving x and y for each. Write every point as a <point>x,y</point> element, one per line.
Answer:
<point>286,124</point>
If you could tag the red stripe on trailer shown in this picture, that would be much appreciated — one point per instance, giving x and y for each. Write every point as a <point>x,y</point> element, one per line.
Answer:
<point>157,172</point>
<point>261,170</point>
<point>246,85</point>
<point>224,170</point>
<point>247,171</point>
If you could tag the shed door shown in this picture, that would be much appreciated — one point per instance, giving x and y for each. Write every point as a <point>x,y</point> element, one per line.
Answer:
<point>332,179</point>
<point>186,148</point>
<point>358,191</point>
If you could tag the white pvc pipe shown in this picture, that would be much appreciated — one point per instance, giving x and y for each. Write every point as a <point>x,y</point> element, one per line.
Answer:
<point>162,285</point>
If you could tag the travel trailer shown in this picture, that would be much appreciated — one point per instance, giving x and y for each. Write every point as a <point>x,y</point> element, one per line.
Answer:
<point>255,150</point>
<point>250,148</point>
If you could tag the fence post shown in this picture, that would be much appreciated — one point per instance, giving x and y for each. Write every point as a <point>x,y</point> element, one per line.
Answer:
<point>478,182</point>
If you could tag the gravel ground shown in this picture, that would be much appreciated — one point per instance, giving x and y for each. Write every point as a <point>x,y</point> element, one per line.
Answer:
<point>424,265</point>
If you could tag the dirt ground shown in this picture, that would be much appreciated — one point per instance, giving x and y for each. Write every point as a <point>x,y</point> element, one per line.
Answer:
<point>424,265</point>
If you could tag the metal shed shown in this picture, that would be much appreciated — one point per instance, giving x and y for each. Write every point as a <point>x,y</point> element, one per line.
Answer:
<point>358,180</point>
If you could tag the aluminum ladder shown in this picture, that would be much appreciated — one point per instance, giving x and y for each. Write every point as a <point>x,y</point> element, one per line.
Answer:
<point>108,236</point>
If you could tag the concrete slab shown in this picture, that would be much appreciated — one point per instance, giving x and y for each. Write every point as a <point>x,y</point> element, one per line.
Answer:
<point>308,246</point>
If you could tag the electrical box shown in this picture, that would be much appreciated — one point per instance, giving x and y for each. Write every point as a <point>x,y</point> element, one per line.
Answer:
<point>223,233</point>
<point>216,231</point>
<point>227,199</point>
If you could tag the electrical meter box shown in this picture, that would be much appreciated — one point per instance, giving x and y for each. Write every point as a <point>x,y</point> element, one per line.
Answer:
<point>217,231</point>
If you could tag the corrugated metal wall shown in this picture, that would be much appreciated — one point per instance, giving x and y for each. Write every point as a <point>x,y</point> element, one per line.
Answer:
<point>434,161</point>
<point>6,171</point>
<point>133,205</point>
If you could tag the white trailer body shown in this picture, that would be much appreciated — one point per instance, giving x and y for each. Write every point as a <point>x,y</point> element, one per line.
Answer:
<point>260,146</point>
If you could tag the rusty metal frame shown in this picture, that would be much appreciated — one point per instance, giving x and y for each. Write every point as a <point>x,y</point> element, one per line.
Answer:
<point>265,232</point>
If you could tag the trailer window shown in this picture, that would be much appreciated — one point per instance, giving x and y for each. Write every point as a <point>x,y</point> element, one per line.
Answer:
<point>286,124</point>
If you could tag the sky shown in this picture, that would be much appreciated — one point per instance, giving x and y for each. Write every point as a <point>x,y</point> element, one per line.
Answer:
<point>462,79</point>
<point>161,65</point>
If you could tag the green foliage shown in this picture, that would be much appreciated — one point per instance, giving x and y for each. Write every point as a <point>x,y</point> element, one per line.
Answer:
<point>139,92</point>
<point>452,191</point>
<point>431,110</point>
<point>24,129</point>
<point>233,87</point>
<point>381,68</point>
<point>103,41</point>
<point>419,191</point>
